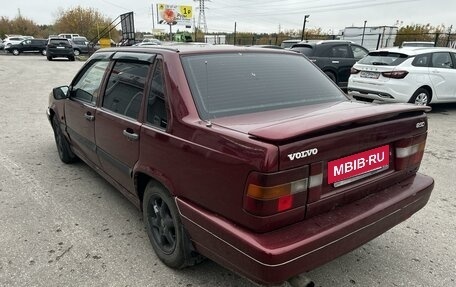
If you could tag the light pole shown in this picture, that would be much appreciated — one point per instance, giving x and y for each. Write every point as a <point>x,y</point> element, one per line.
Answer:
<point>304,26</point>
<point>364,29</point>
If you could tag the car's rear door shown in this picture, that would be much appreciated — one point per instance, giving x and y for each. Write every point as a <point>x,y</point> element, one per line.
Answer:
<point>81,106</point>
<point>119,119</point>
<point>442,74</point>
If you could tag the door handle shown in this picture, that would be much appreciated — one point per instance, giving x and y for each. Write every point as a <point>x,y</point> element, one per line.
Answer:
<point>335,62</point>
<point>88,116</point>
<point>130,134</point>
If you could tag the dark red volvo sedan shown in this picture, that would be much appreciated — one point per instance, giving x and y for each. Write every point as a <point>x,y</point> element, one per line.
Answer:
<point>251,157</point>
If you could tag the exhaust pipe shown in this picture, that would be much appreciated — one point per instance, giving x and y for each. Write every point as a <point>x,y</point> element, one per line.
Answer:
<point>301,280</point>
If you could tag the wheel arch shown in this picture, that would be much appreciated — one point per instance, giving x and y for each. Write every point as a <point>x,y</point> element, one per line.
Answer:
<point>427,88</point>
<point>142,179</point>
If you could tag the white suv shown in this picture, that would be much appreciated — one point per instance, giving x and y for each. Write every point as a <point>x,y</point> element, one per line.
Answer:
<point>414,75</point>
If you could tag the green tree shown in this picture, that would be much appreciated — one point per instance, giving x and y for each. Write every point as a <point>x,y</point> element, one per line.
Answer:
<point>86,22</point>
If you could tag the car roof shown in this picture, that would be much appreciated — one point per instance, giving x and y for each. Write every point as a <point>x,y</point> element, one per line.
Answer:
<point>411,51</point>
<point>196,48</point>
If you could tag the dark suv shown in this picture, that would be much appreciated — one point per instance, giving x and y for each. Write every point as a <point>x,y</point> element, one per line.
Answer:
<point>29,45</point>
<point>251,157</point>
<point>59,47</point>
<point>334,57</point>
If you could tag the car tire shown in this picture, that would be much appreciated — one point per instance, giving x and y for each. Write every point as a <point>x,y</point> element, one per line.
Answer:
<point>49,58</point>
<point>165,230</point>
<point>66,155</point>
<point>77,52</point>
<point>422,97</point>
<point>15,52</point>
<point>71,58</point>
<point>43,52</point>
<point>332,76</point>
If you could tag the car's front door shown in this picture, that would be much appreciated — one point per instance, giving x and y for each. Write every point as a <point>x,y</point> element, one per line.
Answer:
<point>118,123</point>
<point>443,75</point>
<point>80,109</point>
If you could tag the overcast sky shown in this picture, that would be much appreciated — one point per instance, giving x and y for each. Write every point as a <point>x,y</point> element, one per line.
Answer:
<point>258,15</point>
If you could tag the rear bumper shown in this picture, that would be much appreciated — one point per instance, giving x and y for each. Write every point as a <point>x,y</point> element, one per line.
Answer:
<point>275,256</point>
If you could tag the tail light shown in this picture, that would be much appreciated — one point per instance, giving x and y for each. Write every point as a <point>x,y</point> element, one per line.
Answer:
<point>409,152</point>
<point>354,71</point>
<point>271,193</point>
<point>395,74</point>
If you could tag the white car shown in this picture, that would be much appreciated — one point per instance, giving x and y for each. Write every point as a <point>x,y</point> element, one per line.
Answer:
<point>409,75</point>
<point>12,40</point>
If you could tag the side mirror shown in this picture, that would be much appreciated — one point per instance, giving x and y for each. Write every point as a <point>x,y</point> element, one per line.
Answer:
<point>60,93</point>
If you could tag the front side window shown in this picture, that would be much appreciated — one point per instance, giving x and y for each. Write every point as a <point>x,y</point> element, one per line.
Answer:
<point>88,84</point>
<point>340,51</point>
<point>125,88</point>
<point>227,84</point>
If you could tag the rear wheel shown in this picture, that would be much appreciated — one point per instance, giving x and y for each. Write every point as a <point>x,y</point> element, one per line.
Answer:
<point>165,229</point>
<point>421,97</point>
<point>15,52</point>
<point>71,58</point>
<point>49,58</point>
<point>63,147</point>
<point>43,52</point>
<point>77,52</point>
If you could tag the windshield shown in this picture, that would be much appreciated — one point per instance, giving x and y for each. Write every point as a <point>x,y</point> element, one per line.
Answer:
<point>239,83</point>
<point>383,59</point>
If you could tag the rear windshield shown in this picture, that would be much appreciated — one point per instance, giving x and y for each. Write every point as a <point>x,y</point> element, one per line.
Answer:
<point>306,50</point>
<point>239,83</point>
<point>383,59</point>
<point>59,41</point>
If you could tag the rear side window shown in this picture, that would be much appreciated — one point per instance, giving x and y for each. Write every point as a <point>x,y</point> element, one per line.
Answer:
<point>422,60</point>
<point>340,51</point>
<point>383,59</point>
<point>125,88</point>
<point>306,50</point>
<point>239,83</point>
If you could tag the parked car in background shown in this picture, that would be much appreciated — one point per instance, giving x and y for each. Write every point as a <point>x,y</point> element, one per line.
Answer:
<point>408,75</point>
<point>80,45</point>
<point>68,35</point>
<point>8,41</point>
<point>29,45</point>
<point>417,44</point>
<point>251,157</point>
<point>59,47</point>
<point>334,57</point>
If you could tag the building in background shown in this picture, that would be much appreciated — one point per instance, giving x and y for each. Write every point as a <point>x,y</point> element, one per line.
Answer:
<point>372,38</point>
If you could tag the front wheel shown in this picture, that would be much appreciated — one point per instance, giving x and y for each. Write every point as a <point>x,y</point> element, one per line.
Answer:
<point>77,52</point>
<point>15,52</point>
<point>165,230</point>
<point>421,97</point>
<point>63,147</point>
<point>49,58</point>
<point>43,52</point>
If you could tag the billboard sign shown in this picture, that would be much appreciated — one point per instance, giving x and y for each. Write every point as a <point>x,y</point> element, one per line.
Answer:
<point>172,14</point>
